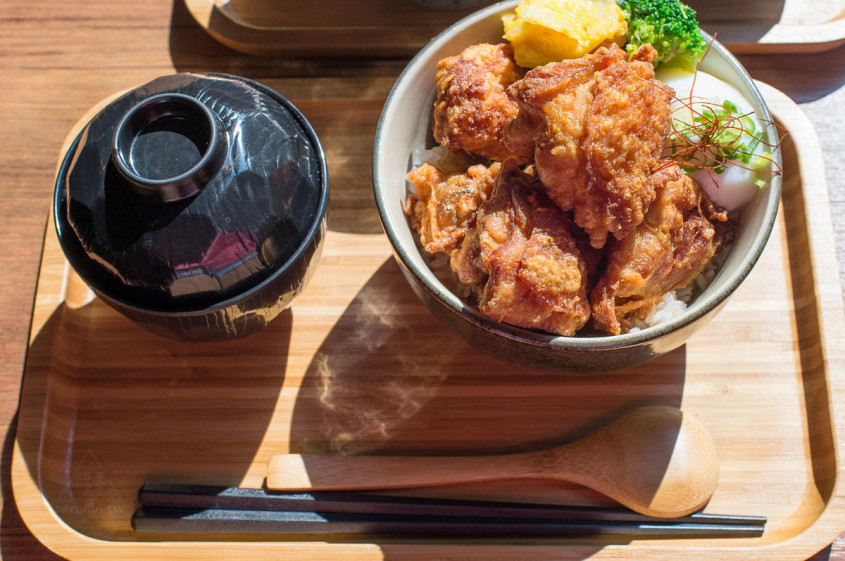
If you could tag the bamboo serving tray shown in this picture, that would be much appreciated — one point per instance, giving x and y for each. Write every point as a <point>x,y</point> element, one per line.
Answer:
<point>402,27</point>
<point>358,365</point>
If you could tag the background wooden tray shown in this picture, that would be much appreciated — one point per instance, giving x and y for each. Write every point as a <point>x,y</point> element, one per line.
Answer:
<point>358,365</point>
<point>774,26</point>
<point>401,27</point>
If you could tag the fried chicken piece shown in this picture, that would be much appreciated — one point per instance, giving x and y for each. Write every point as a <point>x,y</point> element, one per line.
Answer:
<point>595,127</point>
<point>442,209</point>
<point>472,107</point>
<point>537,278</point>
<point>680,234</point>
<point>466,262</point>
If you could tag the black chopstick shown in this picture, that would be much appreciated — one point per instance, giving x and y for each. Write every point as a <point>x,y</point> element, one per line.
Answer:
<point>222,521</point>
<point>167,495</point>
<point>167,508</point>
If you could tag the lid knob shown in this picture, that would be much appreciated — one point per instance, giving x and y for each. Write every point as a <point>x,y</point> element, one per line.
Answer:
<point>169,146</point>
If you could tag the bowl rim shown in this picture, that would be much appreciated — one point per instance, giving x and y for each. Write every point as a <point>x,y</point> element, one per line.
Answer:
<point>701,307</point>
<point>311,236</point>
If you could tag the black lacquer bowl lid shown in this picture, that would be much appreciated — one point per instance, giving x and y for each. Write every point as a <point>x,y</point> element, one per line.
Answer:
<point>189,191</point>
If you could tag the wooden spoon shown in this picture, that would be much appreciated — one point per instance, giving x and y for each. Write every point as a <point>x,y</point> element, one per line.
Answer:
<point>655,460</point>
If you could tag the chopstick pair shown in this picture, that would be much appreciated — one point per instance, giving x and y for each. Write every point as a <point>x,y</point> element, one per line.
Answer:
<point>167,508</point>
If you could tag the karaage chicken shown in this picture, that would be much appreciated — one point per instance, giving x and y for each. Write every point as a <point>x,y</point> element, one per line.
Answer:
<point>472,107</point>
<point>594,226</point>
<point>595,127</point>
<point>442,208</point>
<point>537,278</point>
<point>680,234</point>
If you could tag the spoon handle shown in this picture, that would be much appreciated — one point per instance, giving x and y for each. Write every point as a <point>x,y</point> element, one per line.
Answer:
<point>295,472</point>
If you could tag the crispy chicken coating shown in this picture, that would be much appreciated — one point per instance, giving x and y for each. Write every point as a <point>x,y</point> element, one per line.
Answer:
<point>537,278</point>
<point>467,263</point>
<point>680,234</point>
<point>443,207</point>
<point>472,107</point>
<point>595,127</point>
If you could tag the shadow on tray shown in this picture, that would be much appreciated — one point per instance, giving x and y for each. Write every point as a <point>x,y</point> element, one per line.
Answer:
<point>16,542</point>
<point>124,406</point>
<point>390,379</point>
<point>134,407</point>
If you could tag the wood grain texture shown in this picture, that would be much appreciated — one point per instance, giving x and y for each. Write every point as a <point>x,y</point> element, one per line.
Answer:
<point>774,26</point>
<point>359,367</point>
<point>654,460</point>
<point>291,28</point>
<point>60,58</point>
<point>279,27</point>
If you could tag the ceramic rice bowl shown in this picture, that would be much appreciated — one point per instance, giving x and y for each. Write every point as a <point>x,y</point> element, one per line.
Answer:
<point>404,129</point>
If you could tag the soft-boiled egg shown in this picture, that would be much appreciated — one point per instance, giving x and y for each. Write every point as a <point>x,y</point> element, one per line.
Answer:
<point>717,136</point>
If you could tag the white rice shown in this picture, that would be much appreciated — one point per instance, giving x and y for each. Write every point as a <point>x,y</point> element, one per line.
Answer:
<point>432,156</point>
<point>667,308</point>
<point>442,158</point>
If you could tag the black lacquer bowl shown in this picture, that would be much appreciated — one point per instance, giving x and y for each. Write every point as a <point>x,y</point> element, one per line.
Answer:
<point>195,205</point>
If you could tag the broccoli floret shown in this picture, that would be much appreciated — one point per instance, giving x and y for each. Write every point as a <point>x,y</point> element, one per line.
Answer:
<point>671,28</point>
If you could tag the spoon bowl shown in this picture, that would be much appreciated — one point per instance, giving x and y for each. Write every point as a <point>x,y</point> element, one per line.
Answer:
<point>655,460</point>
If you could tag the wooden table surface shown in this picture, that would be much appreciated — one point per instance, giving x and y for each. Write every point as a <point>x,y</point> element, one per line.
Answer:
<point>59,58</point>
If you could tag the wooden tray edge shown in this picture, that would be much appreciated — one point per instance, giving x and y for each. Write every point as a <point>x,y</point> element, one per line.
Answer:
<point>40,518</point>
<point>375,40</point>
<point>245,37</point>
<point>794,39</point>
